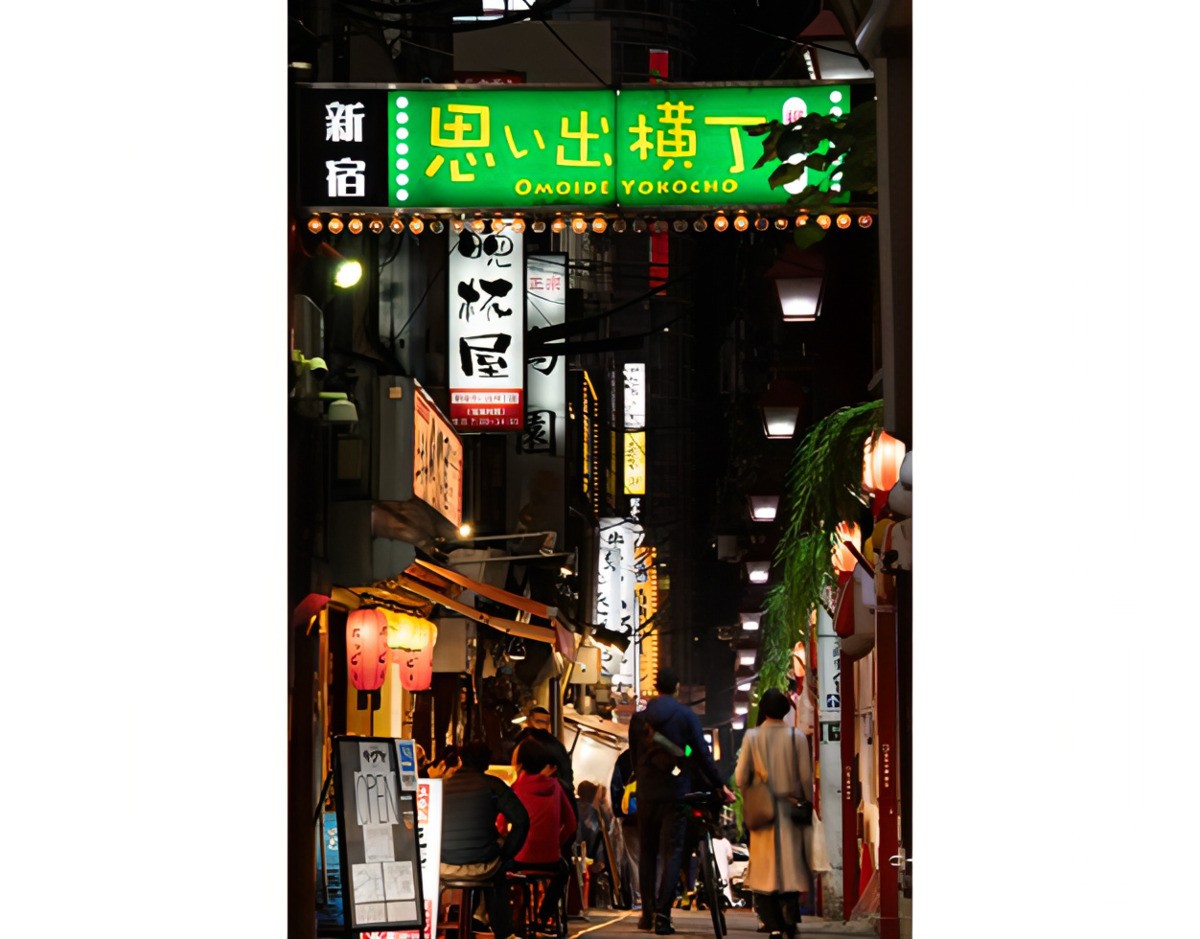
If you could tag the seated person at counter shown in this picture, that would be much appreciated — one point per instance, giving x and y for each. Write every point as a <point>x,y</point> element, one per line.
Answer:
<point>551,822</point>
<point>470,847</point>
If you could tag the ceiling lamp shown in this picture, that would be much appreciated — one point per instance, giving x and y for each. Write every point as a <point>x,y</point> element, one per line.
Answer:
<point>759,572</point>
<point>416,225</point>
<point>558,224</point>
<point>639,226</point>
<point>865,221</point>
<point>335,226</point>
<point>396,225</point>
<point>800,298</point>
<point>376,226</point>
<point>680,225</point>
<point>761,224</point>
<point>824,221</point>
<point>843,221</point>
<point>497,225</point>
<point>660,226</point>
<point>518,225</point>
<point>436,226</point>
<point>456,224</point>
<point>781,224</point>
<point>746,659</point>
<point>750,621</point>
<point>355,226</point>
<point>741,223</point>
<point>599,224</point>
<point>314,225</point>
<point>538,226</point>
<point>780,405</point>
<point>477,226</point>
<point>763,508</point>
<point>579,224</point>
<point>516,649</point>
<point>701,224</point>
<point>721,222</point>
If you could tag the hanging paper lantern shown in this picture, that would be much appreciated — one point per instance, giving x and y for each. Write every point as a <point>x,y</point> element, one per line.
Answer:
<point>406,631</point>
<point>416,667</point>
<point>881,462</point>
<point>366,649</point>
<point>843,559</point>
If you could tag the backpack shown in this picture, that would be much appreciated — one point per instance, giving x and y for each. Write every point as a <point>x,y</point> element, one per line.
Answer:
<point>623,788</point>
<point>659,751</point>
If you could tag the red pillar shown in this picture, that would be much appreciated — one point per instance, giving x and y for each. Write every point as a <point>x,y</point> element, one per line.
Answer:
<point>849,805</point>
<point>886,683</point>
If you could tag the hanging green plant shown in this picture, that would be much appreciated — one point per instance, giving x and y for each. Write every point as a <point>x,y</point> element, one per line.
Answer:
<point>842,145</point>
<point>823,487</point>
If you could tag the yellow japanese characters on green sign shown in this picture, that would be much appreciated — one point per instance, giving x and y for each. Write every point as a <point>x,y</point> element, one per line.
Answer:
<point>668,145</point>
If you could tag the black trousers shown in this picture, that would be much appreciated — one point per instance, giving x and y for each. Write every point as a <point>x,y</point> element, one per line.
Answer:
<point>662,829</point>
<point>780,912</point>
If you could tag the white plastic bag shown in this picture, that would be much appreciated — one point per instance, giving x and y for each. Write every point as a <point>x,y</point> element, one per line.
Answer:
<point>814,847</point>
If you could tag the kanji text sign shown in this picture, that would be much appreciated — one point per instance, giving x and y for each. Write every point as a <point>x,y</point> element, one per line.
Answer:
<point>487,330</point>
<point>444,148</point>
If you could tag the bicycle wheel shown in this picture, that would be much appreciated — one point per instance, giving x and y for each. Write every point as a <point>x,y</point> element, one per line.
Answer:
<point>712,885</point>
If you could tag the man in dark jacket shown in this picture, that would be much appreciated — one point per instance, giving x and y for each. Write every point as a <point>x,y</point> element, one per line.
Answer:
<point>470,848</point>
<point>662,781</point>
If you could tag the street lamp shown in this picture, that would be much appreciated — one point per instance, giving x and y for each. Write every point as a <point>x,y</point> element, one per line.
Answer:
<point>780,405</point>
<point>764,508</point>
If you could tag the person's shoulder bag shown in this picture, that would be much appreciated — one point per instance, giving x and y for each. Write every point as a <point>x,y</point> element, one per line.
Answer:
<point>758,801</point>
<point>800,807</point>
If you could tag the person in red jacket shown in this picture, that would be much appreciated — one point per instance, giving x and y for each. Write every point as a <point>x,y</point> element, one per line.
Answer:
<point>551,822</point>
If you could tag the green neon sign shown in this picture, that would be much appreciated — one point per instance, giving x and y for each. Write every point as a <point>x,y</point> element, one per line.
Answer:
<point>503,147</point>
<point>669,145</point>
<point>688,146</point>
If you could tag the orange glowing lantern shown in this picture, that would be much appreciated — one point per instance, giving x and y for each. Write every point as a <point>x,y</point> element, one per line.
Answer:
<point>366,649</point>
<point>416,668</point>
<point>843,558</point>
<point>881,462</point>
<point>408,632</point>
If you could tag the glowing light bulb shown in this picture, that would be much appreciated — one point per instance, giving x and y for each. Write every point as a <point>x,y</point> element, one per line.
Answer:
<point>416,225</point>
<point>314,225</point>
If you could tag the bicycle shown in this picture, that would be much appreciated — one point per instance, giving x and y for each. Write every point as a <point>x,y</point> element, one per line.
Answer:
<point>706,810</point>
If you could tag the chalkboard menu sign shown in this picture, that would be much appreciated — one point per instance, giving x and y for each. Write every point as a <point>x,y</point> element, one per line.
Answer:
<point>377,835</point>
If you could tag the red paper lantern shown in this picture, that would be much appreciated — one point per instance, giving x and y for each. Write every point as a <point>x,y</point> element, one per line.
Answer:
<point>366,649</point>
<point>416,668</point>
<point>843,558</point>
<point>881,462</point>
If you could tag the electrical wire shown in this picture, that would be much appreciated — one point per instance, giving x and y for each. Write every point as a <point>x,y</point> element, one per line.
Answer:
<point>567,46</point>
<point>429,286</point>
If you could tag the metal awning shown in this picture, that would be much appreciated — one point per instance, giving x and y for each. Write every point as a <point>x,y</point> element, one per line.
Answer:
<point>423,584</point>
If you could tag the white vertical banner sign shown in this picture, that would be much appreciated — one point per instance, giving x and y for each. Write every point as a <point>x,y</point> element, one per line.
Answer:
<point>545,375</point>
<point>429,840</point>
<point>486,295</point>
<point>829,716</point>
<point>616,594</point>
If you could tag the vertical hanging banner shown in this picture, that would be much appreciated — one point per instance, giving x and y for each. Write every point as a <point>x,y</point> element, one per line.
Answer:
<point>620,571</point>
<point>634,397</point>
<point>487,330</point>
<point>545,376</point>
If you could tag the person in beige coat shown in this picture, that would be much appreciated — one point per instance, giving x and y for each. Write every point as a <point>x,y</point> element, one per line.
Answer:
<point>777,873</point>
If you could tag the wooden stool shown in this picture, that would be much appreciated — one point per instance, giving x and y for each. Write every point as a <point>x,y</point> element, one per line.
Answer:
<point>460,924</point>
<point>533,888</point>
